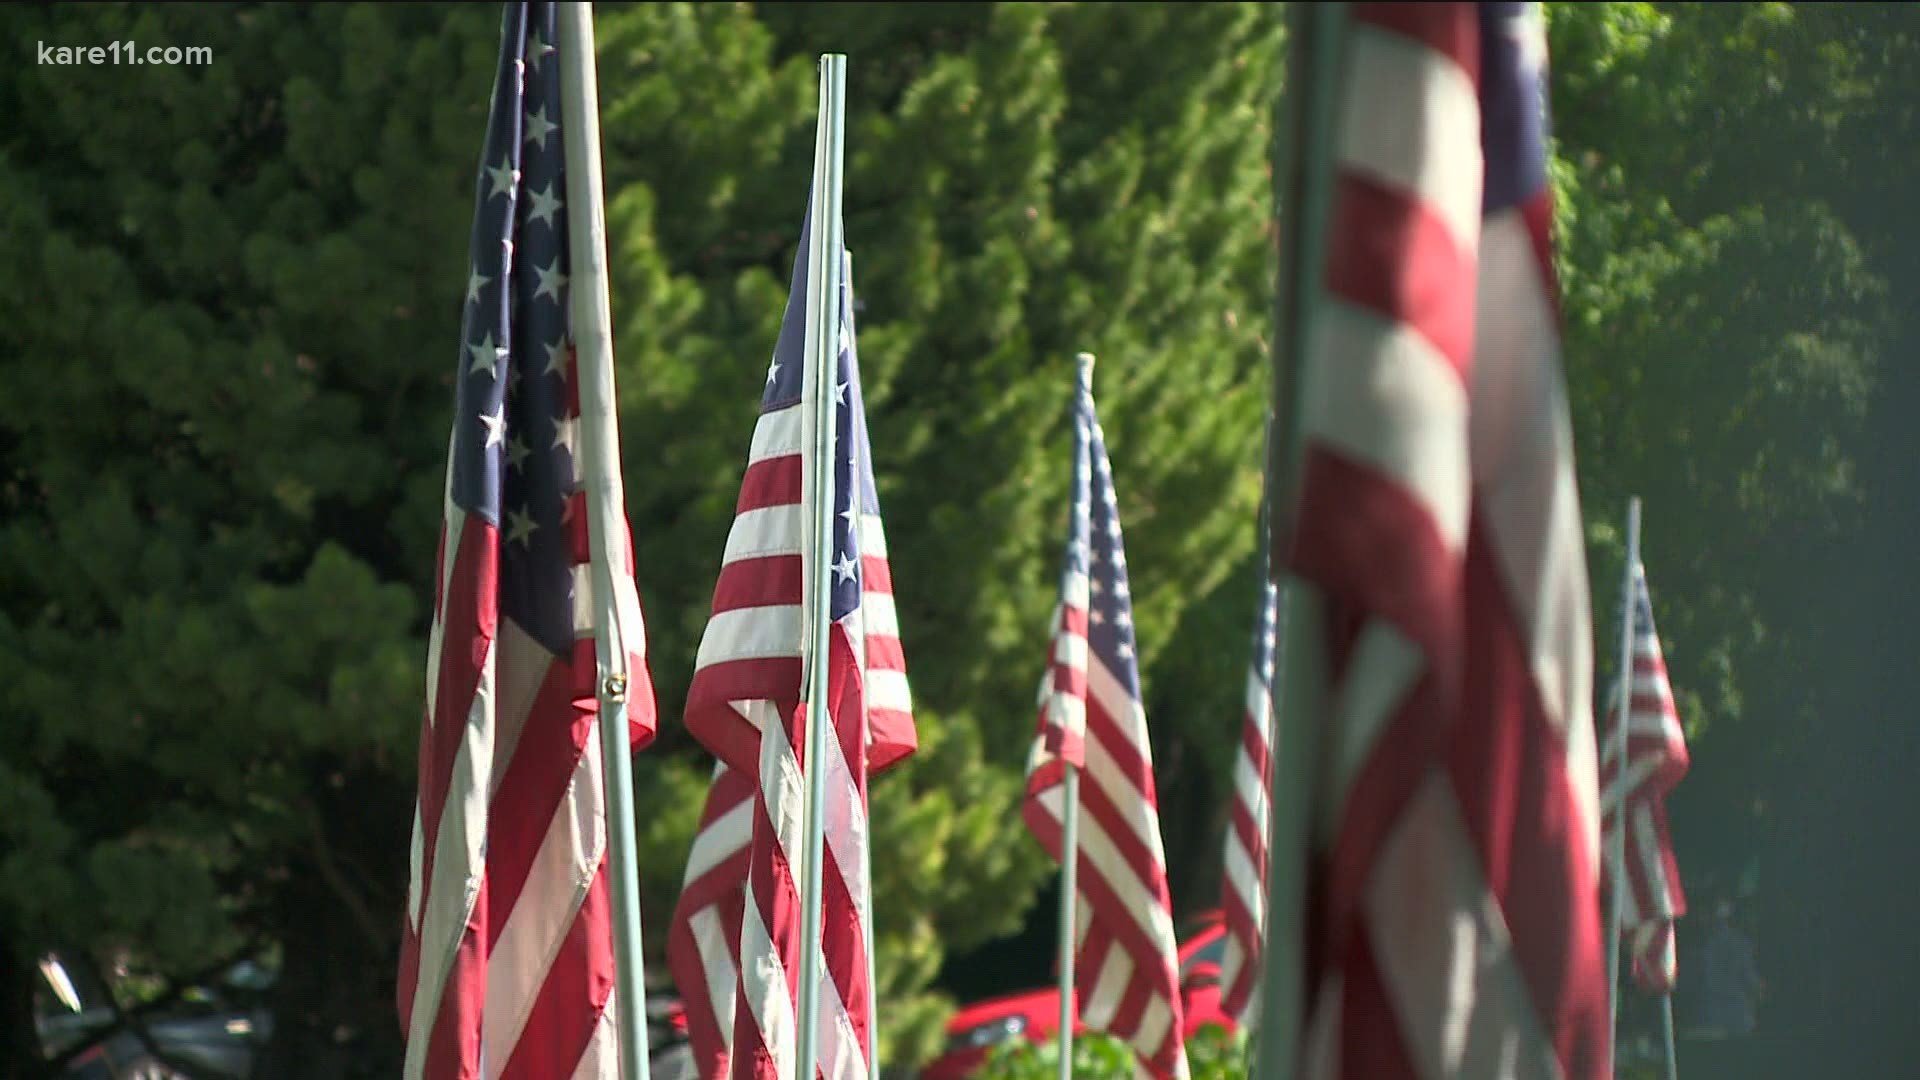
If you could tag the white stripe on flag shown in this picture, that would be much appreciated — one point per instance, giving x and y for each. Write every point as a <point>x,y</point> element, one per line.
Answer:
<point>1413,148</point>
<point>769,530</point>
<point>1383,396</point>
<point>750,634</point>
<point>459,865</point>
<point>543,915</point>
<point>1445,954</point>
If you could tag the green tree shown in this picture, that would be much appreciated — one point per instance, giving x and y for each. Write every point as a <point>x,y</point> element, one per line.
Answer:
<point>227,500</point>
<point>226,349</point>
<point>227,326</point>
<point>1737,245</point>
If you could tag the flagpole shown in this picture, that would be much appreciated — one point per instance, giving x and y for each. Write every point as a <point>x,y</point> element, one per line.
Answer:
<point>600,477</point>
<point>1069,858</point>
<point>1666,1030</point>
<point>1070,840</point>
<point>1304,194</point>
<point>1617,855</point>
<point>866,930</point>
<point>823,349</point>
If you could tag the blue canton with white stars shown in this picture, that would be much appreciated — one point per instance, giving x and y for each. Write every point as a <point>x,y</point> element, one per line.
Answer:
<point>1515,125</point>
<point>1109,600</point>
<point>1642,607</point>
<point>1266,628</point>
<point>513,441</point>
<point>786,383</point>
<point>1265,632</point>
<point>1078,550</point>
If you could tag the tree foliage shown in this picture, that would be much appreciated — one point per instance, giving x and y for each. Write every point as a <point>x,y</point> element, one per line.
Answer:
<point>228,319</point>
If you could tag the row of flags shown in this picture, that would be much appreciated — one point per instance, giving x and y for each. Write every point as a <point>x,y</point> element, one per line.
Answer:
<point>1456,855</point>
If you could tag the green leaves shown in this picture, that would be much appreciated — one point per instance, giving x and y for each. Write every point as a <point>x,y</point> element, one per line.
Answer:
<point>1212,1054</point>
<point>227,334</point>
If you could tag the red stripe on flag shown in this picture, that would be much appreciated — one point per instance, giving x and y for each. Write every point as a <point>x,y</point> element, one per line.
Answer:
<point>1511,780</point>
<point>579,534</point>
<point>720,727</point>
<point>721,888</point>
<point>453,1045</point>
<point>885,654</point>
<point>774,481</point>
<point>1382,549</point>
<point>1372,1041</point>
<point>466,639</point>
<point>537,779</point>
<point>440,575</point>
<point>472,604</point>
<point>1537,214</point>
<point>894,738</point>
<point>774,892</point>
<point>570,382</point>
<point>1448,29</point>
<point>1400,260</point>
<point>766,581</point>
<point>561,1024</point>
<point>1248,833</point>
<point>408,982</point>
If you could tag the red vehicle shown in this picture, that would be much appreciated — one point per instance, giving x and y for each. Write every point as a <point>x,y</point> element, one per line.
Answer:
<point>1034,1015</point>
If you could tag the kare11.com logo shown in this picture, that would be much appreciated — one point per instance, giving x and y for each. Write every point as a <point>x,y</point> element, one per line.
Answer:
<point>123,52</point>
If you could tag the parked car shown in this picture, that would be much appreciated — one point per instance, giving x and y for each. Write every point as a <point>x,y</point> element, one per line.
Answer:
<point>210,1030</point>
<point>217,1030</point>
<point>669,1054</point>
<point>1034,1015</point>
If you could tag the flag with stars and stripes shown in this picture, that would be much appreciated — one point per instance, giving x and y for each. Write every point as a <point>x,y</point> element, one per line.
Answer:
<point>1453,879</point>
<point>1656,761</point>
<point>703,938</point>
<point>744,706</point>
<point>507,965</point>
<point>1243,893</point>
<point>1091,715</point>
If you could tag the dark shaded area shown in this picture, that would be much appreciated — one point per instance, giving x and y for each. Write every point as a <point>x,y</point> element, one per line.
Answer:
<point>1832,792</point>
<point>1837,941</point>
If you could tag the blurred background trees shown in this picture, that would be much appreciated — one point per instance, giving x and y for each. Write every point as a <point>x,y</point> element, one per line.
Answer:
<point>227,324</point>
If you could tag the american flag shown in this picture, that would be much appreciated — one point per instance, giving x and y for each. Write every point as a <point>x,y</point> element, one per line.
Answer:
<point>507,966</point>
<point>743,704</point>
<point>703,939</point>
<point>1091,714</point>
<point>1243,893</point>
<point>1453,924</point>
<point>1656,760</point>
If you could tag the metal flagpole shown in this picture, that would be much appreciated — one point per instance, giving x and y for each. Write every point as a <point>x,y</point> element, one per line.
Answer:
<point>600,476</point>
<point>1304,193</point>
<point>823,348</point>
<point>866,930</point>
<point>1070,835</point>
<point>1617,856</point>
<point>1069,859</point>
<point>1666,1029</point>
